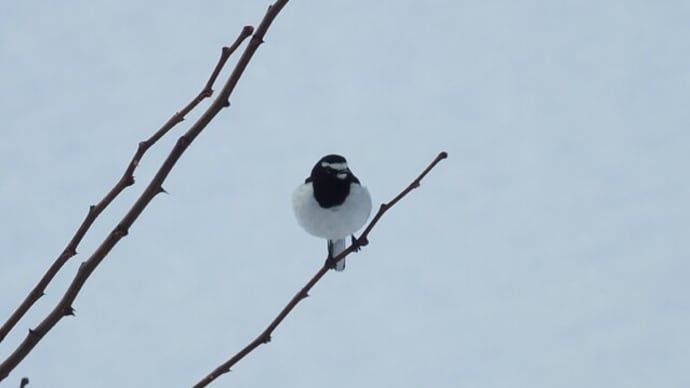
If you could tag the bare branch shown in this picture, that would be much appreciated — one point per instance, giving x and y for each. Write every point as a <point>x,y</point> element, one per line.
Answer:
<point>125,181</point>
<point>64,306</point>
<point>265,336</point>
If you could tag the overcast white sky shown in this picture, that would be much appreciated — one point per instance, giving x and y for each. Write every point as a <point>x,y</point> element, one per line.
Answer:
<point>549,250</point>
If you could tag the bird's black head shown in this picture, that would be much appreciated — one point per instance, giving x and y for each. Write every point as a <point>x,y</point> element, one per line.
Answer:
<point>331,179</point>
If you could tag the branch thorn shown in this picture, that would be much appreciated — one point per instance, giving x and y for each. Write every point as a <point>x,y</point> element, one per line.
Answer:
<point>120,231</point>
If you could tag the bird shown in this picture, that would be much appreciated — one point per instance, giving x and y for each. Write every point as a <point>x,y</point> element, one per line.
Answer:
<point>332,204</point>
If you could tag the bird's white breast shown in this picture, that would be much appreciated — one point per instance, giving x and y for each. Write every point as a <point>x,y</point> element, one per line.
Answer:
<point>335,222</point>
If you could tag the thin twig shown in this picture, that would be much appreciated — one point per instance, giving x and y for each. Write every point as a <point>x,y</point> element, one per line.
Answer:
<point>125,181</point>
<point>64,306</point>
<point>265,336</point>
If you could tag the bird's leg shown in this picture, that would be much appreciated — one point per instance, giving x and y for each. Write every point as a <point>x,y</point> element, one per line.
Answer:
<point>329,245</point>
<point>329,260</point>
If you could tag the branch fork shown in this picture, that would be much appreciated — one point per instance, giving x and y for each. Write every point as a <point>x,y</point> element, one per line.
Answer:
<point>63,307</point>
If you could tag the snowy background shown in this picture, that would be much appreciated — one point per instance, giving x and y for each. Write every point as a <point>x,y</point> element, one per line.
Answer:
<point>550,249</point>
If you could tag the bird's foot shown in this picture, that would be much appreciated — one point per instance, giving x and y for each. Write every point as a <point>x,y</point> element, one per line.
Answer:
<point>330,263</point>
<point>357,244</point>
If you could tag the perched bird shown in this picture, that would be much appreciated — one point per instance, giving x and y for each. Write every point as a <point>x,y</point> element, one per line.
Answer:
<point>332,204</point>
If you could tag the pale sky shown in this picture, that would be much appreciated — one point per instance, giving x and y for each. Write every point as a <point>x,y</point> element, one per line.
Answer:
<point>549,250</point>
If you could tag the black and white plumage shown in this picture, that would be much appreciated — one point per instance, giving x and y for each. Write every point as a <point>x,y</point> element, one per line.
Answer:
<point>332,204</point>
